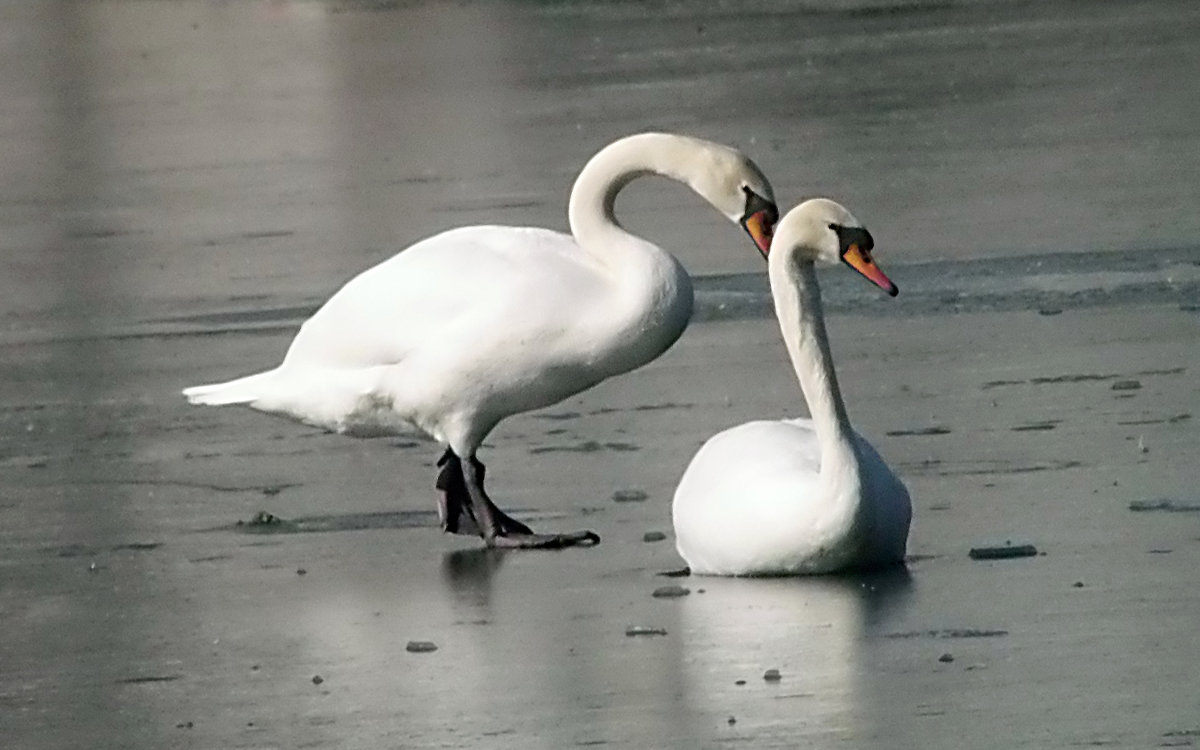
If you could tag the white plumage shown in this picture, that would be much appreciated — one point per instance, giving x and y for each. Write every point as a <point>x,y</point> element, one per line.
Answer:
<point>805,495</point>
<point>478,323</point>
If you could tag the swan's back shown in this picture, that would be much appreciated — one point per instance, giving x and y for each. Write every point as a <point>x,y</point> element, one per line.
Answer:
<point>419,298</point>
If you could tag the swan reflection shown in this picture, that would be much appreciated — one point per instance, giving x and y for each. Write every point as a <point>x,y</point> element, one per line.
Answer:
<point>812,630</point>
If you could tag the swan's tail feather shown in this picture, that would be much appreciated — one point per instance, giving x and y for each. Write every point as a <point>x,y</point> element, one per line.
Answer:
<point>241,391</point>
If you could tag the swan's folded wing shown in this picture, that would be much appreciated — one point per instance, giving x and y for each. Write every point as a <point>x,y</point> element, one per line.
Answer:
<point>453,290</point>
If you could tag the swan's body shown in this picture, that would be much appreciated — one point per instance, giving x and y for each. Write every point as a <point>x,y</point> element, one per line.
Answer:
<point>434,338</point>
<point>478,323</point>
<point>796,496</point>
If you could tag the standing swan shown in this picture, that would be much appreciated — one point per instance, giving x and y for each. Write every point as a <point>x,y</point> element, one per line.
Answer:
<point>475,324</point>
<point>803,495</point>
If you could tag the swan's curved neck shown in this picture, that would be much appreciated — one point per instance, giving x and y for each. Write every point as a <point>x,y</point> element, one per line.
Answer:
<point>590,210</point>
<point>652,294</point>
<point>798,306</point>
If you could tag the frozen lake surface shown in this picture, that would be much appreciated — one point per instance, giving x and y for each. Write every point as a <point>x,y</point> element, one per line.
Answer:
<point>184,182</point>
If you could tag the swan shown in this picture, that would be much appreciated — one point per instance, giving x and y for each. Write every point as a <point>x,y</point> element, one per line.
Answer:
<point>467,327</point>
<point>797,496</point>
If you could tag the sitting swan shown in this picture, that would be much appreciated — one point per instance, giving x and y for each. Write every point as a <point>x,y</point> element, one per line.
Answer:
<point>478,323</point>
<point>797,496</point>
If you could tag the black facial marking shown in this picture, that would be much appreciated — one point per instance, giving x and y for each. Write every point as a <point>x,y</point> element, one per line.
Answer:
<point>848,236</point>
<point>756,203</point>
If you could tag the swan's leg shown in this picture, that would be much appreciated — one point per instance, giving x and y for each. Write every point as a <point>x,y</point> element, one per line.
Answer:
<point>454,506</point>
<point>500,530</point>
<point>504,523</point>
<point>456,509</point>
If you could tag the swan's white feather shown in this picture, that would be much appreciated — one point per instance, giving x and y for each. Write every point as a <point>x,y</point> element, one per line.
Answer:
<point>751,503</point>
<point>475,324</point>
<point>451,335</point>
<point>800,496</point>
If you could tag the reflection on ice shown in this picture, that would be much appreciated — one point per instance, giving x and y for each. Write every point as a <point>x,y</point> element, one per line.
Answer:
<point>468,572</point>
<point>811,629</point>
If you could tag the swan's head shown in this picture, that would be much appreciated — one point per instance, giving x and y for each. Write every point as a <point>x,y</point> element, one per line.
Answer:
<point>743,194</point>
<point>723,176</point>
<point>822,231</point>
<point>731,182</point>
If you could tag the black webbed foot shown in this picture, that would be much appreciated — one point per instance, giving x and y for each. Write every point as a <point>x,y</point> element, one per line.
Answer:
<point>546,541</point>
<point>465,508</point>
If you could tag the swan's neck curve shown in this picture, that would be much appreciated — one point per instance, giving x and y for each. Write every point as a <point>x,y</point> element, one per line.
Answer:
<point>594,194</point>
<point>652,300</point>
<point>798,306</point>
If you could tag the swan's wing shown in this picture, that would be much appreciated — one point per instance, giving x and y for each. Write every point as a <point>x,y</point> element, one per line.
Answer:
<point>740,503</point>
<point>776,446</point>
<point>450,289</point>
<point>890,502</point>
<point>748,473</point>
<point>879,477</point>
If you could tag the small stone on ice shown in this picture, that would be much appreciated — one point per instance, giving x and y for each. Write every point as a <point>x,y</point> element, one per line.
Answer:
<point>670,592</point>
<point>421,647</point>
<point>1164,504</point>
<point>262,518</point>
<point>772,675</point>
<point>1009,550</point>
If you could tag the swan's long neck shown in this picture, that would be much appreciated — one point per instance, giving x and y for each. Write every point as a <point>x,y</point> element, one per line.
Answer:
<point>798,306</point>
<point>652,294</point>
<point>594,194</point>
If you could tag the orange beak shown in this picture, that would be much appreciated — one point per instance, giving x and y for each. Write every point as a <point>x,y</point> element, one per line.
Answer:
<point>860,261</point>
<point>758,225</point>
